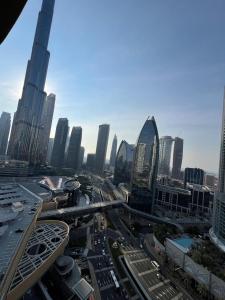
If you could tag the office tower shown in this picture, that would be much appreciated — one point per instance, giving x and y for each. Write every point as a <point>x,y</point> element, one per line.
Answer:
<point>81,158</point>
<point>193,175</point>
<point>47,116</point>
<point>165,145</point>
<point>26,134</point>
<point>58,150</point>
<point>217,232</point>
<point>67,142</point>
<point>145,167</point>
<point>177,157</point>
<point>123,163</point>
<point>5,122</point>
<point>50,147</point>
<point>101,149</point>
<point>113,152</point>
<point>210,180</point>
<point>90,164</point>
<point>73,152</point>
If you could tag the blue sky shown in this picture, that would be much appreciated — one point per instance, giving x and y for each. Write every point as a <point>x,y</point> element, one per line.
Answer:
<point>120,61</point>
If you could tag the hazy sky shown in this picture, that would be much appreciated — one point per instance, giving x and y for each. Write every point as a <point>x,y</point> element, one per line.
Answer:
<point>120,61</point>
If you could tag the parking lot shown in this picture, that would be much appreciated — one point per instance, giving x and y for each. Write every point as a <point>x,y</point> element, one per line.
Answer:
<point>150,277</point>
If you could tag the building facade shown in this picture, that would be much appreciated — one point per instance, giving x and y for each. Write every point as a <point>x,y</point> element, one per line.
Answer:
<point>145,167</point>
<point>113,152</point>
<point>47,116</point>
<point>58,151</point>
<point>217,232</point>
<point>101,148</point>
<point>165,146</point>
<point>124,163</point>
<point>50,148</point>
<point>81,157</point>
<point>90,164</point>
<point>5,122</point>
<point>194,200</point>
<point>193,175</point>
<point>73,152</point>
<point>177,157</point>
<point>26,134</point>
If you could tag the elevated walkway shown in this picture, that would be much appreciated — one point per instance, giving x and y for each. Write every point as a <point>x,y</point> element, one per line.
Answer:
<point>77,211</point>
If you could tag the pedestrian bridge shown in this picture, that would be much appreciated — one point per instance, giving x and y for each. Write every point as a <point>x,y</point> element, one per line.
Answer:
<point>77,211</point>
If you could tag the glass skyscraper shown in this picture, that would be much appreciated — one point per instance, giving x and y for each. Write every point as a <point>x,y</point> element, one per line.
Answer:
<point>217,232</point>
<point>81,157</point>
<point>73,152</point>
<point>145,167</point>
<point>193,175</point>
<point>58,151</point>
<point>26,134</point>
<point>101,148</point>
<point>123,164</point>
<point>177,157</point>
<point>113,152</point>
<point>165,146</point>
<point>47,116</point>
<point>5,122</point>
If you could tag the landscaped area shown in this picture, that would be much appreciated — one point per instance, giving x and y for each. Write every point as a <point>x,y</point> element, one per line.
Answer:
<point>209,256</point>
<point>162,231</point>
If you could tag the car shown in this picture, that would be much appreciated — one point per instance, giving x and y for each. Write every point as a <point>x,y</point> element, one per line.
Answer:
<point>159,276</point>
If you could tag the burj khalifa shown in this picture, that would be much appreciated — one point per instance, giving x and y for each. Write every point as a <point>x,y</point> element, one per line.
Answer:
<point>27,129</point>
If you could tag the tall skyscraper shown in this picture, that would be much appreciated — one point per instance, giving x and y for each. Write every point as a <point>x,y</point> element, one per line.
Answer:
<point>47,116</point>
<point>193,175</point>
<point>113,152</point>
<point>217,232</point>
<point>5,122</point>
<point>177,157</point>
<point>90,164</point>
<point>145,167</point>
<point>58,151</point>
<point>124,163</point>
<point>50,147</point>
<point>165,145</point>
<point>101,149</point>
<point>25,140</point>
<point>81,157</point>
<point>73,152</point>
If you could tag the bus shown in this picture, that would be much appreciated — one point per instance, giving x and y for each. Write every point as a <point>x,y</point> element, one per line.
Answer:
<point>155,264</point>
<point>114,279</point>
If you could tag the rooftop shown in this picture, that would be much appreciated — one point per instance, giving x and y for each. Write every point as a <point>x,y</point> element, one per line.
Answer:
<point>15,224</point>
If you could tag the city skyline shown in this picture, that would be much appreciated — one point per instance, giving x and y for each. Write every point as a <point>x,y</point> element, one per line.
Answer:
<point>201,137</point>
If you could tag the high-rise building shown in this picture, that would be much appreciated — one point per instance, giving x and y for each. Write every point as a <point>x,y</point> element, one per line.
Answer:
<point>5,122</point>
<point>47,116</point>
<point>90,164</point>
<point>26,134</point>
<point>165,145</point>
<point>217,232</point>
<point>124,163</point>
<point>177,157</point>
<point>145,167</point>
<point>113,152</point>
<point>73,152</point>
<point>101,148</point>
<point>193,175</point>
<point>210,180</point>
<point>50,147</point>
<point>81,157</point>
<point>58,151</point>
